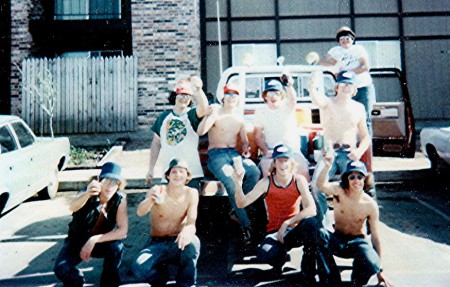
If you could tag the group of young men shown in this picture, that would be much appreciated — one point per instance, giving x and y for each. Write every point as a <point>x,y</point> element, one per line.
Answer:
<point>295,215</point>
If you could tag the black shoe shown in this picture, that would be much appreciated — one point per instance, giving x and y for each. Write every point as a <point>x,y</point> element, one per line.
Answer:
<point>247,235</point>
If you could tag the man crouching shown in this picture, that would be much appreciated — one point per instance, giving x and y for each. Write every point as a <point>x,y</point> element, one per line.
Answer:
<point>173,212</point>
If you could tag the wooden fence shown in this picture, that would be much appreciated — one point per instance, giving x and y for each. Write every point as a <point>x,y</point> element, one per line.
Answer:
<point>92,94</point>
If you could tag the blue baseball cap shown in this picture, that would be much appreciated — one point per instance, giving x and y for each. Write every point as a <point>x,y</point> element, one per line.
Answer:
<point>272,85</point>
<point>111,170</point>
<point>346,77</point>
<point>357,166</point>
<point>281,150</point>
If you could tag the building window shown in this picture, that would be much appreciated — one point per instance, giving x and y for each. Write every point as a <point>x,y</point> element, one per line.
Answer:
<point>254,54</point>
<point>87,9</point>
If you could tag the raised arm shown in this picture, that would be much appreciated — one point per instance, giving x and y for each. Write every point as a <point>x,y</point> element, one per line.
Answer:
<point>93,189</point>
<point>317,98</point>
<point>187,233</point>
<point>243,200</point>
<point>290,91</point>
<point>146,205</point>
<point>199,94</point>
<point>329,188</point>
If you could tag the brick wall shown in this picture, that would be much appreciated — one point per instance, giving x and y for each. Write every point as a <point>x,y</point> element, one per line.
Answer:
<point>166,40</point>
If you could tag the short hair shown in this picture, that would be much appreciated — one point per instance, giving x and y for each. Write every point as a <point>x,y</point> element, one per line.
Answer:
<point>368,181</point>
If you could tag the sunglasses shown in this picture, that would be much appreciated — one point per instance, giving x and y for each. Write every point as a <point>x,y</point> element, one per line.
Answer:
<point>110,181</point>
<point>231,95</point>
<point>353,176</point>
<point>272,94</point>
<point>345,38</point>
<point>184,96</point>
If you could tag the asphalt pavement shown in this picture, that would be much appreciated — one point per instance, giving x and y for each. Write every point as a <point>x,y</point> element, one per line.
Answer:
<point>32,234</point>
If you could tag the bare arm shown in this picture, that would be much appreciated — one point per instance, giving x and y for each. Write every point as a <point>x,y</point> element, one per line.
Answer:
<point>243,200</point>
<point>93,189</point>
<point>199,94</point>
<point>146,205</point>
<point>329,188</point>
<point>364,65</point>
<point>154,153</point>
<point>244,140</point>
<point>261,141</point>
<point>327,60</point>
<point>290,92</point>
<point>208,121</point>
<point>365,140</point>
<point>187,233</point>
<point>120,232</point>
<point>317,98</point>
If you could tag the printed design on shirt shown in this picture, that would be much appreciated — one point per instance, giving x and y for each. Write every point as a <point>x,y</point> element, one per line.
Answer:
<point>176,131</point>
<point>349,59</point>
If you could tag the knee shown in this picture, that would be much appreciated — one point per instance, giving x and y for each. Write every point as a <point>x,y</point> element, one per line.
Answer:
<point>192,251</point>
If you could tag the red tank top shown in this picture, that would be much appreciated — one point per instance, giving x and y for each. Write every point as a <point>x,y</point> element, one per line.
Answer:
<point>282,203</point>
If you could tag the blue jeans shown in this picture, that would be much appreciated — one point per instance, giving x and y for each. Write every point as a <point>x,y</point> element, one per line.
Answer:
<point>366,260</point>
<point>69,257</point>
<point>305,234</point>
<point>366,96</point>
<point>339,165</point>
<point>152,262</point>
<point>220,157</point>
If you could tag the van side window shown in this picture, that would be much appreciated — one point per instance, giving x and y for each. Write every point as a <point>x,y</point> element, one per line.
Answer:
<point>7,142</point>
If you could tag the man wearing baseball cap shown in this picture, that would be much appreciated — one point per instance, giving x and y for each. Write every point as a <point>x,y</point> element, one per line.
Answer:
<point>172,210</point>
<point>276,122</point>
<point>99,224</point>
<point>344,129</point>
<point>291,214</point>
<point>352,209</point>
<point>175,131</point>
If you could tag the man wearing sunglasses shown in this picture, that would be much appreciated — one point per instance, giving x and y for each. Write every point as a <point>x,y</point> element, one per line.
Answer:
<point>99,224</point>
<point>224,127</point>
<point>175,131</point>
<point>352,209</point>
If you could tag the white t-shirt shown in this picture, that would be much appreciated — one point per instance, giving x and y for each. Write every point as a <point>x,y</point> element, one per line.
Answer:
<point>348,59</point>
<point>279,126</point>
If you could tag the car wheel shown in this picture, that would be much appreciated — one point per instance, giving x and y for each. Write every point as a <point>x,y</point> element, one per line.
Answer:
<point>52,188</point>
<point>433,157</point>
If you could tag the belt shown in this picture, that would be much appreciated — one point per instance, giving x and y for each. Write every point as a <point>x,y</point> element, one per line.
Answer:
<point>163,238</point>
<point>341,146</point>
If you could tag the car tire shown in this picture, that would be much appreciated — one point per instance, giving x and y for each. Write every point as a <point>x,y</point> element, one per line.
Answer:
<point>50,191</point>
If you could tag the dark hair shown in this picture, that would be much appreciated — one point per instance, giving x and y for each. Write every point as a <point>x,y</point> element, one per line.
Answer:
<point>368,181</point>
<point>173,98</point>
<point>189,175</point>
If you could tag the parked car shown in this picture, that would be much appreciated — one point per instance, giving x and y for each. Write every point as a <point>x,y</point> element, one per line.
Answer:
<point>392,117</point>
<point>28,165</point>
<point>435,144</point>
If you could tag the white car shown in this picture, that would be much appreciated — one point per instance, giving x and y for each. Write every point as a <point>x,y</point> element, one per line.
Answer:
<point>28,165</point>
<point>435,144</point>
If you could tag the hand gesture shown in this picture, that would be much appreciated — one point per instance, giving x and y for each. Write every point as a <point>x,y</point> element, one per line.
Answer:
<point>281,232</point>
<point>287,79</point>
<point>183,239</point>
<point>196,82</point>
<point>86,251</point>
<point>94,188</point>
<point>383,280</point>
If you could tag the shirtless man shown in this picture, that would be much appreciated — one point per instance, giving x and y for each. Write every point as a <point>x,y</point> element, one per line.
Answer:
<point>276,123</point>
<point>224,125</point>
<point>344,122</point>
<point>173,212</point>
<point>352,208</point>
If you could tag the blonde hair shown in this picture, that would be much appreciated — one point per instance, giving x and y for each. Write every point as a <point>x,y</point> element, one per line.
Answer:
<point>292,169</point>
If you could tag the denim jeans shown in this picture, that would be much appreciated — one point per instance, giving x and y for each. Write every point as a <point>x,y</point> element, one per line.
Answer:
<point>366,260</point>
<point>69,257</point>
<point>220,157</point>
<point>339,165</point>
<point>305,234</point>
<point>152,262</point>
<point>366,96</point>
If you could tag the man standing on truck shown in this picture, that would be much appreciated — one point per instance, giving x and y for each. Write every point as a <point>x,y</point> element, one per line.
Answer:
<point>352,209</point>
<point>290,212</point>
<point>344,122</point>
<point>276,123</point>
<point>224,126</point>
<point>175,131</point>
